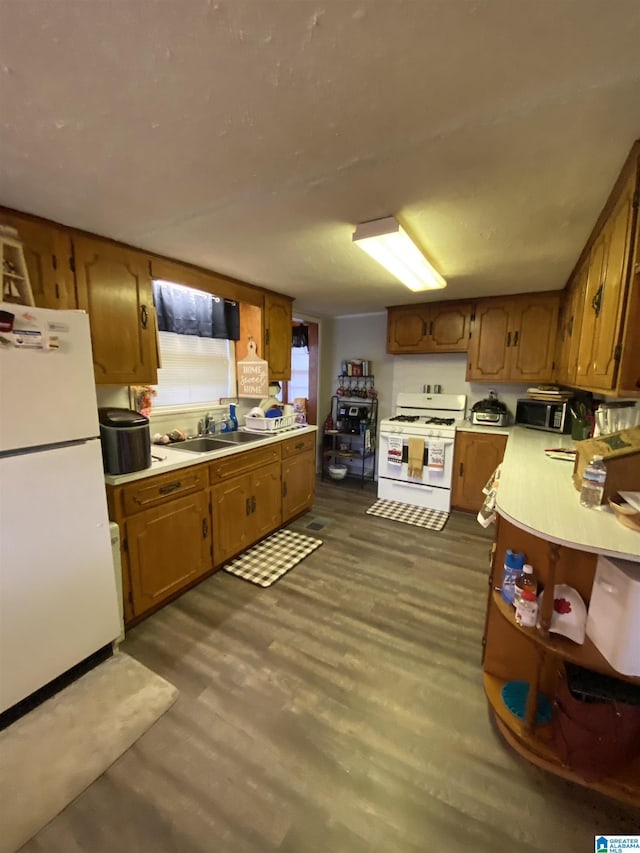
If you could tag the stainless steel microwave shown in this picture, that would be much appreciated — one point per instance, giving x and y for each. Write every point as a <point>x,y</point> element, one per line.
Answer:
<point>544,414</point>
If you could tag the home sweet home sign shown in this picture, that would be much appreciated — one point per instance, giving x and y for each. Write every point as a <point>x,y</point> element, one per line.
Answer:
<point>253,374</point>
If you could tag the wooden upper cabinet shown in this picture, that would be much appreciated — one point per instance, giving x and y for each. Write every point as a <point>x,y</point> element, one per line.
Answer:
<point>569,326</point>
<point>429,328</point>
<point>488,349</point>
<point>602,322</point>
<point>47,252</point>
<point>533,338</point>
<point>514,339</point>
<point>629,370</point>
<point>277,319</point>
<point>114,287</point>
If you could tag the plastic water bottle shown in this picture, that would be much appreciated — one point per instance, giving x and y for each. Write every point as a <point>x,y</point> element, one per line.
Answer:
<point>513,564</point>
<point>593,480</point>
<point>526,580</point>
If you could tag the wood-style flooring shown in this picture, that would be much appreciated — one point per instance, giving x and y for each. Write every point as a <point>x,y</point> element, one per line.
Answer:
<point>339,711</point>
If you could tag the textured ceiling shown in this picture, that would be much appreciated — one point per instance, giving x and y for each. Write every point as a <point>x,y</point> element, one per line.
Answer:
<point>251,136</point>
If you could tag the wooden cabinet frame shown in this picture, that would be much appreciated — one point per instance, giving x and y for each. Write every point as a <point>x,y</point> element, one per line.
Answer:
<point>536,656</point>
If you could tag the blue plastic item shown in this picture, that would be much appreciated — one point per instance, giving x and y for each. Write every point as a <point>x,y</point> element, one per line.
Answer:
<point>232,415</point>
<point>513,564</point>
<point>514,696</point>
<point>273,412</point>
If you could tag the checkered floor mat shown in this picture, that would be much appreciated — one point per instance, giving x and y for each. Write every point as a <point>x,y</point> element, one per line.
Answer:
<point>273,557</point>
<point>432,519</point>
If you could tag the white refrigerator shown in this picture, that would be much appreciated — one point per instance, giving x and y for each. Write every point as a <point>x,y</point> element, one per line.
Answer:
<point>58,600</point>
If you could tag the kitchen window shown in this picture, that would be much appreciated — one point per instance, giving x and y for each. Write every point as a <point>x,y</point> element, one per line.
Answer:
<point>194,370</point>
<point>197,357</point>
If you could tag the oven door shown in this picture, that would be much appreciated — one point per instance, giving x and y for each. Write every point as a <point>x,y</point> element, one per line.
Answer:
<point>394,455</point>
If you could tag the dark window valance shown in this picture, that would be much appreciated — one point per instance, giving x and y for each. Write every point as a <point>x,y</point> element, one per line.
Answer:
<point>191,312</point>
<point>300,336</point>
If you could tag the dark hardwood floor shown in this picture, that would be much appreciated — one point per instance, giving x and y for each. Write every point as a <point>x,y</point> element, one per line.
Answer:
<point>339,711</point>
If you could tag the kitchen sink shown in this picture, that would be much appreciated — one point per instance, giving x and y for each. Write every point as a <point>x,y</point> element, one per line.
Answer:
<point>242,437</point>
<point>202,444</point>
<point>207,443</point>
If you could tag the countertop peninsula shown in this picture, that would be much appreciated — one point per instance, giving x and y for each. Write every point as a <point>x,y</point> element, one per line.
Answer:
<point>537,494</point>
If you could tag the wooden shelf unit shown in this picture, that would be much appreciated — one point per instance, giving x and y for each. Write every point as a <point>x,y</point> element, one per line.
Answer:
<point>512,652</point>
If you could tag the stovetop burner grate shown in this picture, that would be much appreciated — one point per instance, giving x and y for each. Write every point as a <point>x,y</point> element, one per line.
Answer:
<point>424,420</point>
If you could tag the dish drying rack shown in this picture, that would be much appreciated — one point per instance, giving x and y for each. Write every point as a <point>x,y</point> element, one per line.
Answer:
<point>279,424</point>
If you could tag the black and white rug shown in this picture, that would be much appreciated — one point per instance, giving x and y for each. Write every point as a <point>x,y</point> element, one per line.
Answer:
<point>273,557</point>
<point>432,519</point>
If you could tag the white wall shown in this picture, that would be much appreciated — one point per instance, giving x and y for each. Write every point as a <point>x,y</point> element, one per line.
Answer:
<point>365,336</point>
<point>413,372</point>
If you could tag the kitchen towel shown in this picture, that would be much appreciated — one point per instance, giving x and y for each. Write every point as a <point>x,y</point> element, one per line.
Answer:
<point>416,457</point>
<point>394,450</point>
<point>436,455</point>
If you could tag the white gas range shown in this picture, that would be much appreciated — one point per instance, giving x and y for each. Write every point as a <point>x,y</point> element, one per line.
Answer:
<point>415,458</point>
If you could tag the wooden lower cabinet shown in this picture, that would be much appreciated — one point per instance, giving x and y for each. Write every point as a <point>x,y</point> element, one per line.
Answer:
<point>245,508</point>
<point>512,653</point>
<point>169,546</point>
<point>476,457</point>
<point>176,527</point>
<point>298,475</point>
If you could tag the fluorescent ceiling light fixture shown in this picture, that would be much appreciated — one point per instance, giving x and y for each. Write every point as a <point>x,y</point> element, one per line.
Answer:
<point>389,244</point>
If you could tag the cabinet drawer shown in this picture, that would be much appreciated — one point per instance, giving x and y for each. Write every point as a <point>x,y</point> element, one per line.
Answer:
<point>154,490</point>
<point>239,463</point>
<point>299,444</point>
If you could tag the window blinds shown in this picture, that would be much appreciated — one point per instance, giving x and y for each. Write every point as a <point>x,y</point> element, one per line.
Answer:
<point>194,370</point>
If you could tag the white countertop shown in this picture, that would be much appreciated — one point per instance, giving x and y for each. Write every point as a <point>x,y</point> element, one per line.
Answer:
<point>173,458</point>
<point>467,426</point>
<point>537,494</point>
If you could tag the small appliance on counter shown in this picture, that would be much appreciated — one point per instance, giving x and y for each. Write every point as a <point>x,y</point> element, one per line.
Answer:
<point>126,441</point>
<point>490,412</point>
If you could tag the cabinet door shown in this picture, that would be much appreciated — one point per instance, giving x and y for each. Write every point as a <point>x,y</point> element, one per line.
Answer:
<point>449,327</point>
<point>429,328</point>
<point>532,338</point>
<point>407,330</point>
<point>277,335</point>
<point>232,527</point>
<point>488,352</point>
<point>604,304</point>
<point>298,484</point>
<point>169,546</point>
<point>570,325</point>
<point>114,287</point>
<point>266,501</point>
<point>629,372</point>
<point>47,252</point>
<point>476,457</point>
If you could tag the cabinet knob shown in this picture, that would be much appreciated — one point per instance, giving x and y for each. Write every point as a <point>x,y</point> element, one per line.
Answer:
<point>144,316</point>
<point>205,528</point>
